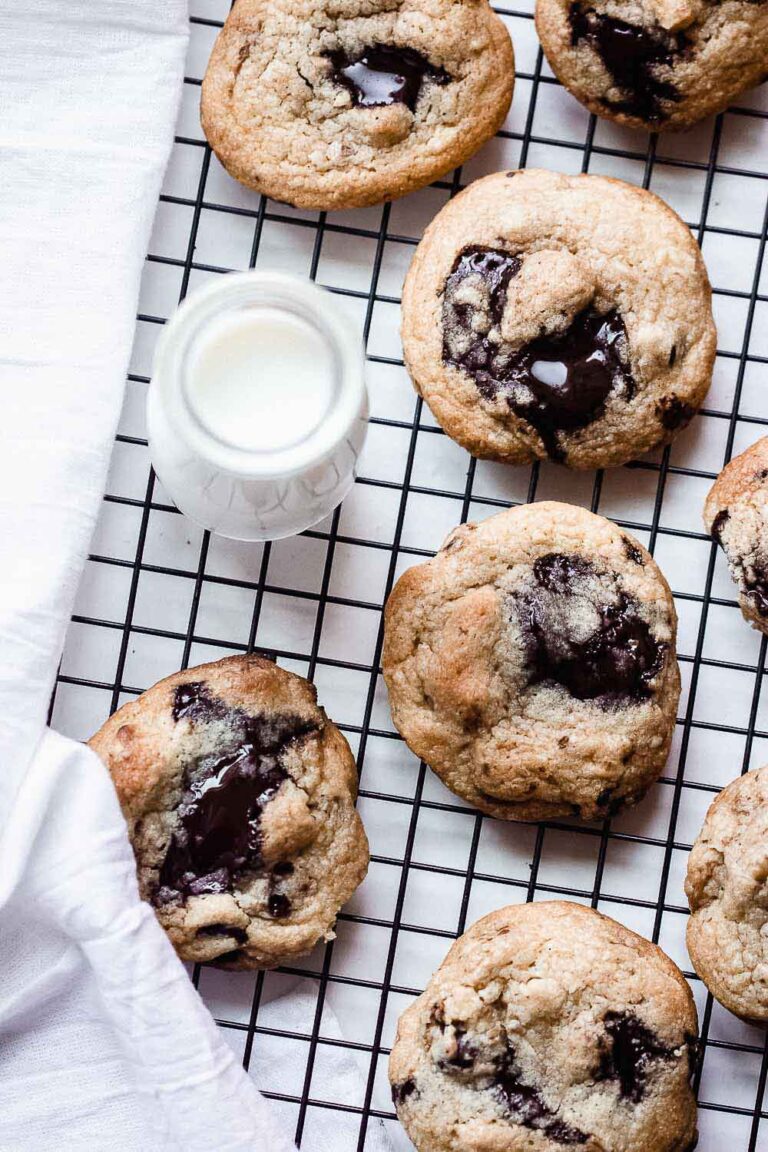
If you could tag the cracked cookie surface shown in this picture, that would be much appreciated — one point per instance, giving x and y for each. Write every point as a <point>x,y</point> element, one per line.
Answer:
<point>561,317</point>
<point>342,103</point>
<point>239,797</point>
<point>656,64</point>
<point>736,516</point>
<point>549,1026</point>
<point>727,890</point>
<point>531,664</point>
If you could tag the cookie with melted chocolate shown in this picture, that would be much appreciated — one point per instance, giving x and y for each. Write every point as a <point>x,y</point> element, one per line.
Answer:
<point>532,664</point>
<point>549,1026</point>
<point>541,321</point>
<point>660,65</point>
<point>736,516</point>
<point>338,105</point>
<point>239,797</point>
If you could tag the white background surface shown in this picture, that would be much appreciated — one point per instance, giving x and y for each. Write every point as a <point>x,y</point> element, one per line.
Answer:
<point>157,594</point>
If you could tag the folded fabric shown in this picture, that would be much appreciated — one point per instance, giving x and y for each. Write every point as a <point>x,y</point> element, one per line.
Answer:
<point>104,1037</point>
<point>105,1044</point>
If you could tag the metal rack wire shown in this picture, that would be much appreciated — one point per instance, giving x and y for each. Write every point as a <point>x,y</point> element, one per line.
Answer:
<point>119,644</point>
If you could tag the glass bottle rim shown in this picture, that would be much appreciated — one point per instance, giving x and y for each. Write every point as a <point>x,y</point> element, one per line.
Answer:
<point>282,292</point>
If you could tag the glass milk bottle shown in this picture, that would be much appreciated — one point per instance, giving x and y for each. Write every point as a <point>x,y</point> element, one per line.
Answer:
<point>257,410</point>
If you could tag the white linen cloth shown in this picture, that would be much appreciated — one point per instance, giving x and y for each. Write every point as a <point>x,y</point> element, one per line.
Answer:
<point>104,1044</point>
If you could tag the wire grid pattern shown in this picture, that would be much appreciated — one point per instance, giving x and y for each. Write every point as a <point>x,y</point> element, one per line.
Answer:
<point>159,594</point>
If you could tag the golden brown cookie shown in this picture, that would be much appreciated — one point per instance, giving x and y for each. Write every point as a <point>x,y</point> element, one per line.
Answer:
<point>559,316</point>
<point>728,896</point>
<point>736,515</point>
<point>341,103</point>
<point>549,1026</point>
<point>655,64</point>
<point>532,664</point>
<point>239,797</point>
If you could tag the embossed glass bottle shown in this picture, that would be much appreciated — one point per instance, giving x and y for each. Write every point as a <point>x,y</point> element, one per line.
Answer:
<point>257,410</point>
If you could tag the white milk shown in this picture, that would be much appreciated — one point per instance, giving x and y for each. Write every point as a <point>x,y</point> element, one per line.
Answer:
<point>260,378</point>
<point>257,409</point>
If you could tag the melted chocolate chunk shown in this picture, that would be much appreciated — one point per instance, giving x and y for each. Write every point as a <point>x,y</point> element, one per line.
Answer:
<point>402,1091</point>
<point>618,659</point>
<point>238,934</point>
<point>557,572</point>
<point>627,1056</point>
<point>752,575</point>
<point>612,804</point>
<point>228,958</point>
<point>283,868</point>
<point>674,413</point>
<point>718,524</point>
<point>632,53</point>
<point>756,588</point>
<point>385,74</point>
<point>218,835</point>
<point>278,905</point>
<point>192,701</point>
<point>527,1106</point>
<point>495,267</point>
<point>571,376</point>
<point>555,383</point>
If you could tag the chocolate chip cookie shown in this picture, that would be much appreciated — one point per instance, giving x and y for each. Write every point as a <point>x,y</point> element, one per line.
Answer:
<point>736,515</point>
<point>656,64</point>
<point>531,664</point>
<point>341,103</point>
<point>560,317</point>
<point>547,1026</point>
<point>239,796</point>
<point>728,897</point>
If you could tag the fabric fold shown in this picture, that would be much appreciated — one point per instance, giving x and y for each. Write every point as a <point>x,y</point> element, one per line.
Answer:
<point>105,1042</point>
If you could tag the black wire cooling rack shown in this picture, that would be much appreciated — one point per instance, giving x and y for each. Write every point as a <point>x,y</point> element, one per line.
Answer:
<point>154,584</point>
